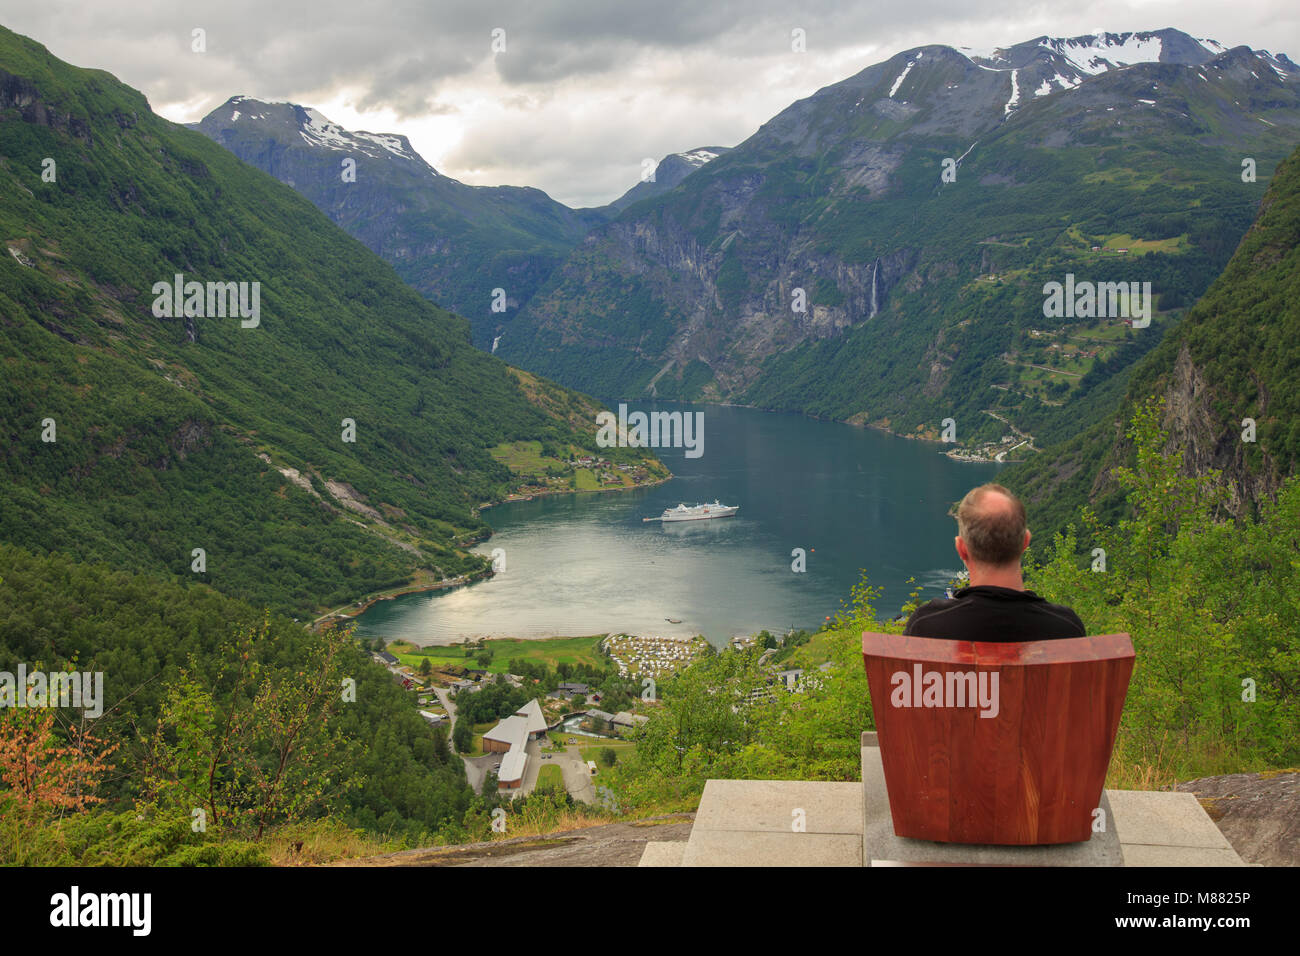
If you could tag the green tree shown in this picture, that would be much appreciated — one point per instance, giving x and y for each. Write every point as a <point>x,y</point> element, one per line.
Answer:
<point>462,736</point>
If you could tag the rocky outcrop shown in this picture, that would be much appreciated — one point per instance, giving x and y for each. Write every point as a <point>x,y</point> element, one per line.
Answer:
<point>20,93</point>
<point>1209,442</point>
<point>1259,813</point>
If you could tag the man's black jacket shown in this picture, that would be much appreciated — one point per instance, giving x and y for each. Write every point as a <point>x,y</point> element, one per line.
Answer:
<point>987,613</point>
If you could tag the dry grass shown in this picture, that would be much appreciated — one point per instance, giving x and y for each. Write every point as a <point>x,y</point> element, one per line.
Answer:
<point>541,823</point>
<point>324,842</point>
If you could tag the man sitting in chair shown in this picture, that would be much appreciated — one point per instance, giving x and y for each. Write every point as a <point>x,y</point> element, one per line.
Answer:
<point>991,538</point>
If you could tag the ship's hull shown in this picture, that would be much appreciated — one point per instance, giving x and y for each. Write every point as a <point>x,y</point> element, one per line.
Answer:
<point>702,516</point>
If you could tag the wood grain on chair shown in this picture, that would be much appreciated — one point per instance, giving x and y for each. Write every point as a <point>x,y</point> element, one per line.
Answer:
<point>1031,769</point>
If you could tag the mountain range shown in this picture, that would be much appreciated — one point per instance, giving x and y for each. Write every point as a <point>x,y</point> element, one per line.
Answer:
<point>454,243</point>
<point>877,252</point>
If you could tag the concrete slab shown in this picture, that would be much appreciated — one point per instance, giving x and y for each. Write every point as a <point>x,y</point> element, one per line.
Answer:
<point>771,805</point>
<point>663,854</point>
<point>1157,818</point>
<point>764,848</point>
<point>880,843</point>
<point>1141,854</point>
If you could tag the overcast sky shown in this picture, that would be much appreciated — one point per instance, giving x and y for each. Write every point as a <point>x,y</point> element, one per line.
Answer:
<point>585,89</point>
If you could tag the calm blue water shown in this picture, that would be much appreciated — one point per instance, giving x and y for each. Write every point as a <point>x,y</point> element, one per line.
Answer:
<point>853,498</point>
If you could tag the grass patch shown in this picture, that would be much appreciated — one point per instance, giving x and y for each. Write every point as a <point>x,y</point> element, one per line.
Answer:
<point>624,749</point>
<point>551,777</point>
<point>550,651</point>
<point>524,457</point>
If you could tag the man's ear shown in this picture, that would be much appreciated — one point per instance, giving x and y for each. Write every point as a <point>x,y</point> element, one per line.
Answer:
<point>961,549</point>
<point>1028,538</point>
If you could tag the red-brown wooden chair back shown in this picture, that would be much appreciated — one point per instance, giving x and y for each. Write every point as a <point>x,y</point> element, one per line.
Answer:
<point>1031,774</point>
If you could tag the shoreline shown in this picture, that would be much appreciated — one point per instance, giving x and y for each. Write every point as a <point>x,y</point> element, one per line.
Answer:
<point>550,492</point>
<point>354,609</point>
<point>842,421</point>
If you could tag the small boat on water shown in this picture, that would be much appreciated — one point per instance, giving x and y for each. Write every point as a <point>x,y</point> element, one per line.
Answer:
<point>673,620</point>
<point>696,512</point>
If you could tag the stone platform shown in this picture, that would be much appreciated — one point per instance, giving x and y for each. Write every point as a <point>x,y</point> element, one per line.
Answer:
<point>813,823</point>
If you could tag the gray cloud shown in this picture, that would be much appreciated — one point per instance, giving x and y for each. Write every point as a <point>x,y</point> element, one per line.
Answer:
<point>586,88</point>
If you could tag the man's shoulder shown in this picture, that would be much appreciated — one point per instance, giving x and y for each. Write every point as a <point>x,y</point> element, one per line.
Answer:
<point>972,611</point>
<point>931,608</point>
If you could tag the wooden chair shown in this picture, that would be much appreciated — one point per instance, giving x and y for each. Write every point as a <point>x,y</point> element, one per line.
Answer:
<point>1030,774</point>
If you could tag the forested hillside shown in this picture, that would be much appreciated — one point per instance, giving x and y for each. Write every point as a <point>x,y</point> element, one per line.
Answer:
<point>327,447</point>
<point>219,411</point>
<point>161,646</point>
<point>1234,357</point>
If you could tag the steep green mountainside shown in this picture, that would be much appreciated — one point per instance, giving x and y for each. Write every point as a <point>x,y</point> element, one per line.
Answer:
<point>923,298</point>
<point>1234,356</point>
<point>136,439</point>
<point>454,243</point>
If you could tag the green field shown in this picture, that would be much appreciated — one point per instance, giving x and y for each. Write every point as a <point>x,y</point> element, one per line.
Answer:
<point>551,651</point>
<point>550,778</point>
<point>1142,246</point>
<point>587,480</point>
<point>591,751</point>
<point>524,457</point>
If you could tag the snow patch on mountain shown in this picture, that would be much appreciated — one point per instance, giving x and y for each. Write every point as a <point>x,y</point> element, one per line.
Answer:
<point>698,157</point>
<point>901,77</point>
<point>391,143</point>
<point>1015,94</point>
<point>981,53</point>
<point>319,130</point>
<point>1099,53</point>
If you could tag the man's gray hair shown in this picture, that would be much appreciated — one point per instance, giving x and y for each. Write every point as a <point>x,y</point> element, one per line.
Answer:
<point>993,536</point>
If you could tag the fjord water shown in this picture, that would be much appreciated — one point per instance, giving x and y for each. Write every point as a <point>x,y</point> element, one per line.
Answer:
<point>852,498</point>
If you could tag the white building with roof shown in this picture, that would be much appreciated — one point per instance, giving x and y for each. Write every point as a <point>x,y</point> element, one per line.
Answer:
<point>510,737</point>
<point>532,713</point>
<point>510,776</point>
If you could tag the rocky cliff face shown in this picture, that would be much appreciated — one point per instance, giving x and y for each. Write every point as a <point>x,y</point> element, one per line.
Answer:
<point>1209,443</point>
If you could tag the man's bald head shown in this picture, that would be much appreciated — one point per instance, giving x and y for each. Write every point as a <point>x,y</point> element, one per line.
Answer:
<point>991,520</point>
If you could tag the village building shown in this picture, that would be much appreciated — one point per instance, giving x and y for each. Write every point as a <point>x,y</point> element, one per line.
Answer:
<point>510,775</point>
<point>507,735</point>
<point>628,720</point>
<point>510,737</point>
<point>790,678</point>
<point>531,712</point>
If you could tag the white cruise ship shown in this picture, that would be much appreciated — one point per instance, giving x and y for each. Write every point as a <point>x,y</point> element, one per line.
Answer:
<point>696,512</point>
